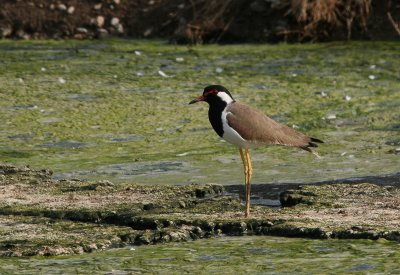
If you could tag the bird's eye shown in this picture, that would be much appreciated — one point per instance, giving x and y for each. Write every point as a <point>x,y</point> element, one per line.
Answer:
<point>211,92</point>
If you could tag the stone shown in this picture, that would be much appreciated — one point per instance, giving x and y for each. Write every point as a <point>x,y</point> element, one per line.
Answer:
<point>100,21</point>
<point>62,7</point>
<point>5,30</point>
<point>120,28</point>
<point>82,30</point>
<point>114,21</point>
<point>102,33</point>
<point>71,10</point>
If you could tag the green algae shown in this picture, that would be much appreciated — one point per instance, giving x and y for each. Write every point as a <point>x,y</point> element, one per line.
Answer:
<point>69,105</point>
<point>256,255</point>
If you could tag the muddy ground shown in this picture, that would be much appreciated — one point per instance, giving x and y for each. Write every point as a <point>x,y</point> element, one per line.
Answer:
<point>195,21</point>
<point>43,216</point>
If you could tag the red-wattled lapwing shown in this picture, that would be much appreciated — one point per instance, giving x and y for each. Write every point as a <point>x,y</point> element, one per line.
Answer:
<point>247,128</point>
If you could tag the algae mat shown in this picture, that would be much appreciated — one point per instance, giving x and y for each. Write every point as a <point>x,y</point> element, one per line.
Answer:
<point>117,109</point>
<point>225,255</point>
<point>43,216</point>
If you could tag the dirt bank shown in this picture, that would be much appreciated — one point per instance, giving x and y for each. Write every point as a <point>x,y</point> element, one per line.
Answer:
<point>202,21</point>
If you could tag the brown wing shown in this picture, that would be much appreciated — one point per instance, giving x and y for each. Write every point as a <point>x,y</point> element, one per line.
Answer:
<point>254,126</point>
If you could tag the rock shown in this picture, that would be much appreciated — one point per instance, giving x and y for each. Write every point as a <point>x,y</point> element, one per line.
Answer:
<point>90,247</point>
<point>147,237</point>
<point>234,228</point>
<point>100,21</point>
<point>148,32</point>
<point>117,2</point>
<point>82,30</point>
<point>62,7</point>
<point>114,21</point>
<point>22,35</point>
<point>98,6</point>
<point>71,10</point>
<point>5,31</point>
<point>102,33</point>
<point>120,28</point>
<point>182,204</point>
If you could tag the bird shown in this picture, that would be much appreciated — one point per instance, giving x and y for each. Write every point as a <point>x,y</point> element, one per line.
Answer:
<point>246,127</point>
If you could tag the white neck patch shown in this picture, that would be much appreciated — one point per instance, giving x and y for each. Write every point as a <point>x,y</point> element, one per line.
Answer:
<point>225,97</point>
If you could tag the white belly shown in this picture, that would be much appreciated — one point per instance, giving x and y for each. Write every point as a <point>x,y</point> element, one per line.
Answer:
<point>233,137</point>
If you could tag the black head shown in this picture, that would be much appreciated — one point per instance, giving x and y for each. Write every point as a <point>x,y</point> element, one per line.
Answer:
<point>214,93</point>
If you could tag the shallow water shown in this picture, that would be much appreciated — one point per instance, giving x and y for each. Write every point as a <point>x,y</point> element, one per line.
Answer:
<point>118,110</point>
<point>226,255</point>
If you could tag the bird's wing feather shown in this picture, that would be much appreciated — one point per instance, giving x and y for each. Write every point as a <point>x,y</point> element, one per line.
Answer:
<point>256,127</point>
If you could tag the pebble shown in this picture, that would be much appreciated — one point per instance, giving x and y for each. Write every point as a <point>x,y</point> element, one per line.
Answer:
<point>147,32</point>
<point>102,32</point>
<point>347,98</point>
<point>120,28</point>
<point>43,69</point>
<point>372,67</point>
<point>61,80</point>
<point>5,31</point>
<point>81,30</point>
<point>114,21</point>
<point>371,76</point>
<point>138,53</point>
<point>162,73</point>
<point>219,70</point>
<point>98,6</point>
<point>100,21</point>
<point>71,10</point>
<point>62,7</point>
<point>179,59</point>
<point>331,117</point>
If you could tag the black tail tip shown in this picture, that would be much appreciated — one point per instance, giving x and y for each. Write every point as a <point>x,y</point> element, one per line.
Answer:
<point>316,140</point>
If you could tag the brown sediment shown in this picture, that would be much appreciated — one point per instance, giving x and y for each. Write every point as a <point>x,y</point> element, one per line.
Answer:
<point>43,216</point>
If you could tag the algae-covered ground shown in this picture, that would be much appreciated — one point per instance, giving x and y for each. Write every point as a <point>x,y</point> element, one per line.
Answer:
<point>44,216</point>
<point>134,164</point>
<point>118,109</point>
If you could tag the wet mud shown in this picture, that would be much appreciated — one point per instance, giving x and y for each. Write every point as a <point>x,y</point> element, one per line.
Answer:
<point>40,215</point>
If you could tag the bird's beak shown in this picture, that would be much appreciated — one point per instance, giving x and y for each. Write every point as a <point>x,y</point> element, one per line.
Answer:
<point>200,98</point>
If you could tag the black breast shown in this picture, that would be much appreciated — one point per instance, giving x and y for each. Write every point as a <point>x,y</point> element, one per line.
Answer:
<point>214,115</point>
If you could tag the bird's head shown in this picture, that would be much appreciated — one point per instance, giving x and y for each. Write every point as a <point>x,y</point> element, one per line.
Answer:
<point>214,94</point>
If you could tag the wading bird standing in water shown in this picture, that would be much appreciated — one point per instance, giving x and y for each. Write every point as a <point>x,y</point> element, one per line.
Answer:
<point>246,128</point>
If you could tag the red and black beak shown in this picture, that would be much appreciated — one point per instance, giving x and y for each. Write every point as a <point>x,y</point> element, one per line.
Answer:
<point>200,98</point>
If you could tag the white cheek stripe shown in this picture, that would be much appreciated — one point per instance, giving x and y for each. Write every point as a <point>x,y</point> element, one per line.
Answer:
<point>225,97</point>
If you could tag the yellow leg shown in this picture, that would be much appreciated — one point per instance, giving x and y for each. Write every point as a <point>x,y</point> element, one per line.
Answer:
<point>249,174</point>
<point>246,182</point>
